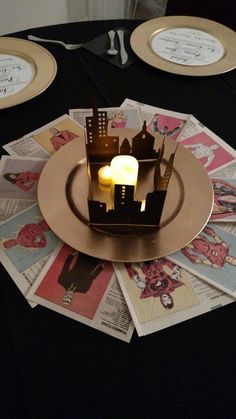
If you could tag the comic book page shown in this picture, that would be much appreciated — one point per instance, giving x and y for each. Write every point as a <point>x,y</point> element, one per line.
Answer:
<point>26,243</point>
<point>224,208</point>
<point>85,289</point>
<point>120,128</point>
<point>117,117</point>
<point>228,227</point>
<point>18,184</point>
<point>212,257</point>
<point>214,153</point>
<point>228,172</point>
<point>159,120</point>
<point>44,141</point>
<point>160,294</point>
<point>211,150</point>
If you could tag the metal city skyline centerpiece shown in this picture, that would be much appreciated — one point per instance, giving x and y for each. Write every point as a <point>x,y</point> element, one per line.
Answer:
<point>127,162</point>
<point>123,194</point>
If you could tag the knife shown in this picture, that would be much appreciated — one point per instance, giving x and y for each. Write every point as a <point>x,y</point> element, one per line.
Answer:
<point>123,53</point>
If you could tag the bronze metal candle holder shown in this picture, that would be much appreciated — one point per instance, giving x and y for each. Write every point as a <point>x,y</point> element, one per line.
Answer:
<point>121,209</point>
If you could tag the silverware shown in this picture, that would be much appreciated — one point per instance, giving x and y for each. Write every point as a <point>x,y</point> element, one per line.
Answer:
<point>54,41</point>
<point>123,53</point>
<point>112,50</point>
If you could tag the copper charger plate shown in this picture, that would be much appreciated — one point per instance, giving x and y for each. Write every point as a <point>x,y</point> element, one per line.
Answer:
<point>187,207</point>
<point>26,70</point>
<point>160,52</point>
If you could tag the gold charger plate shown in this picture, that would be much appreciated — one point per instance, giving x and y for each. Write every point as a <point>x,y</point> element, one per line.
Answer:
<point>191,46</point>
<point>187,207</point>
<point>26,70</point>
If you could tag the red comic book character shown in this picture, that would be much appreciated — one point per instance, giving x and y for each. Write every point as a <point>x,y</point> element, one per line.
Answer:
<point>30,235</point>
<point>157,278</point>
<point>208,252</point>
<point>60,138</point>
<point>23,180</point>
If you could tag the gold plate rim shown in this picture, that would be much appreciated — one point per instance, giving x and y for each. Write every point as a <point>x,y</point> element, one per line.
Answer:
<point>140,43</point>
<point>158,243</point>
<point>43,61</point>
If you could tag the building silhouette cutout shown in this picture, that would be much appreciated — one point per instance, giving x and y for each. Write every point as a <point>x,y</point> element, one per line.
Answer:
<point>143,145</point>
<point>101,147</point>
<point>126,210</point>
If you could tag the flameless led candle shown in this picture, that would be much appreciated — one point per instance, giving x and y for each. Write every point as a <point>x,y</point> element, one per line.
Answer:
<point>143,205</point>
<point>104,176</point>
<point>124,170</point>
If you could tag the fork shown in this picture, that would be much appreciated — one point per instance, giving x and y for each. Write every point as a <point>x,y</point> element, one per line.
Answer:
<point>54,41</point>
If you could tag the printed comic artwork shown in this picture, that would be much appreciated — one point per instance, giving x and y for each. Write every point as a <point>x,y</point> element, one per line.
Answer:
<point>78,273</point>
<point>75,282</point>
<point>24,180</point>
<point>118,119</point>
<point>202,151</point>
<point>60,138</point>
<point>224,199</point>
<point>165,125</point>
<point>209,249</point>
<point>207,151</point>
<point>30,235</point>
<point>158,278</point>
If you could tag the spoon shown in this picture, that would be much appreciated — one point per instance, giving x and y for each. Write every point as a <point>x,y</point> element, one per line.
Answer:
<point>112,50</point>
<point>54,41</point>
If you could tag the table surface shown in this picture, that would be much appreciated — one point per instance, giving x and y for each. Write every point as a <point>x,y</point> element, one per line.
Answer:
<point>55,367</point>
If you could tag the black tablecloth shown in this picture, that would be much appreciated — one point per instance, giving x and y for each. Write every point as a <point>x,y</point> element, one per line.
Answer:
<point>55,367</point>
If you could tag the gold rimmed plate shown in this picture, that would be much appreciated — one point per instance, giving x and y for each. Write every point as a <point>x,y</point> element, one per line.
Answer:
<point>187,207</point>
<point>186,45</point>
<point>26,70</point>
